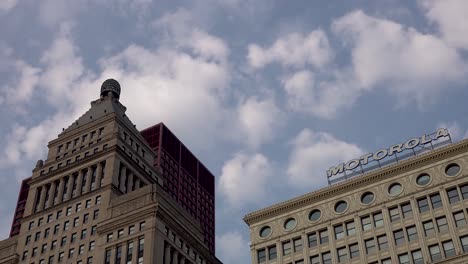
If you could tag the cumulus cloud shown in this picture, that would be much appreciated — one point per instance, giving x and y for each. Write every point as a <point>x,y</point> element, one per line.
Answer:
<point>25,82</point>
<point>242,168</point>
<point>294,50</point>
<point>414,66</point>
<point>455,129</point>
<point>450,18</point>
<point>259,120</point>
<point>313,153</point>
<point>232,248</point>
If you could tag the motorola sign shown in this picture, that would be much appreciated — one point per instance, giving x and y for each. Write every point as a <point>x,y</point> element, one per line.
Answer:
<point>382,153</point>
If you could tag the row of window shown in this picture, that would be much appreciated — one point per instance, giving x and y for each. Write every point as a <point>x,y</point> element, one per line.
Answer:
<point>130,251</point>
<point>68,212</point>
<point>437,251</point>
<point>404,210</point>
<point>77,141</point>
<point>61,255</point>
<point>182,245</point>
<point>130,231</point>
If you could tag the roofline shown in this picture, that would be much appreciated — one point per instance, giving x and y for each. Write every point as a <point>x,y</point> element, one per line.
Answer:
<point>307,198</point>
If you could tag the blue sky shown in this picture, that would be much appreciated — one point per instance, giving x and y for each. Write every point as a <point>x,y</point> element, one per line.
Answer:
<point>268,94</point>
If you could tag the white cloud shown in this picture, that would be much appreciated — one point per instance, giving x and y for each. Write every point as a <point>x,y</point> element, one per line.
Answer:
<point>232,248</point>
<point>242,168</point>
<point>312,154</point>
<point>296,50</point>
<point>451,19</point>
<point>414,66</point>
<point>6,5</point>
<point>27,80</point>
<point>259,119</point>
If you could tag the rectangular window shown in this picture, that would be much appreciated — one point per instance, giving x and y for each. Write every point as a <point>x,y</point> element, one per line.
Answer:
<point>366,223</point>
<point>370,246</point>
<point>92,244</point>
<point>442,224</point>
<point>141,246</point>
<point>81,250</point>
<point>261,256</point>
<point>118,255</point>
<point>297,244</point>
<point>342,254</point>
<point>312,239</point>
<point>272,253</point>
<point>464,243</point>
<point>417,257</point>
<point>315,259</point>
<point>428,228</point>
<point>383,242</point>
<point>464,191</point>
<point>323,234</point>
<point>129,252</point>
<point>459,218</point>
<point>403,259</point>
<point>436,201</point>
<point>412,233</point>
<point>378,219</point>
<point>449,249</point>
<point>423,205</point>
<point>434,250</point>
<point>64,241</point>
<point>107,259</point>
<point>399,237</point>
<point>354,251</point>
<point>286,248</point>
<point>326,258</point>
<point>350,228</point>
<point>339,232</point>
<point>407,210</point>
<point>394,214</point>
<point>453,195</point>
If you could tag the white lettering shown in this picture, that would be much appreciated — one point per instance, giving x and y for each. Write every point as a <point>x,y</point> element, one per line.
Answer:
<point>352,164</point>
<point>335,170</point>
<point>441,132</point>
<point>425,140</point>
<point>412,143</point>
<point>383,152</point>
<point>396,148</point>
<point>365,158</point>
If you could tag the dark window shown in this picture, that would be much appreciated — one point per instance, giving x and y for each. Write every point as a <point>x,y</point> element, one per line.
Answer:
<point>417,257</point>
<point>459,218</point>
<point>403,258</point>
<point>339,232</point>
<point>449,249</point>
<point>272,253</point>
<point>366,223</point>
<point>326,258</point>
<point>464,191</point>
<point>394,214</point>
<point>350,228</point>
<point>423,205</point>
<point>378,219</point>
<point>107,259</point>
<point>370,246</point>
<point>442,224</point>
<point>412,233</point>
<point>436,201</point>
<point>261,256</point>
<point>297,244</point>
<point>464,243</point>
<point>399,237</point>
<point>428,228</point>
<point>312,239</point>
<point>434,250</point>
<point>383,242</point>
<point>342,254</point>
<point>286,248</point>
<point>323,236</point>
<point>354,250</point>
<point>453,195</point>
<point>129,252</point>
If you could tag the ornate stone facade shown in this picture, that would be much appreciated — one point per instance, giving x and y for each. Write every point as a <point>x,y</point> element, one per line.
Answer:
<point>411,212</point>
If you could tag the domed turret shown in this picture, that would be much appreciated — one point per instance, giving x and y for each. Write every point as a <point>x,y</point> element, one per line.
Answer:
<point>110,85</point>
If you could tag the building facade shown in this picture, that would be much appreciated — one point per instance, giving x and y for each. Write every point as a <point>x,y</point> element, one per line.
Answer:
<point>98,199</point>
<point>20,206</point>
<point>411,212</point>
<point>185,178</point>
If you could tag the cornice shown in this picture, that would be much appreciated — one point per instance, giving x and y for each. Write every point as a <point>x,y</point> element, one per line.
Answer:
<point>365,179</point>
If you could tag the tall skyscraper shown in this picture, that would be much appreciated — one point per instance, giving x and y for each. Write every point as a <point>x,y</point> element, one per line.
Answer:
<point>185,178</point>
<point>98,199</point>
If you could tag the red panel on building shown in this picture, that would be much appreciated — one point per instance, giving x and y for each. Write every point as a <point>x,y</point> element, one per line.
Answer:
<point>20,206</point>
<point>186,179</point>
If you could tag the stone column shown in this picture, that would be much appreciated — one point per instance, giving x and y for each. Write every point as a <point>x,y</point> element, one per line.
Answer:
<point>123,175</point>
<point>89,176</point>
<point>182,260</point>
<point>50,202</point>
<point>98,176</point>
<point>130,182</point>
<point>137,183</point>
<point>70,188</point>
<point>167,253</point>
<point>40,206</point>
<point>79,183</point>
<point>60,190</point>
<point>175,256</point>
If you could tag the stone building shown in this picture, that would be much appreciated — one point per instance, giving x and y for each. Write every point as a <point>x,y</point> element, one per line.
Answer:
<point>98,199</point>
<point>412,212</point>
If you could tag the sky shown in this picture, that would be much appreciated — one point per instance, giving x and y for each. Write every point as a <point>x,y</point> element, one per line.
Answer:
<point>268,94</point>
